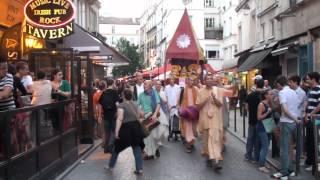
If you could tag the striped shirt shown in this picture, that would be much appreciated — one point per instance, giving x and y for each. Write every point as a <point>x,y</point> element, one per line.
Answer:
<point>8,103</point>
<point>313,99</point>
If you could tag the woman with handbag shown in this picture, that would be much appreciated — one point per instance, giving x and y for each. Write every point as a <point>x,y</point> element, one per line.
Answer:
<point>128,132</point>
<point>264,114</point>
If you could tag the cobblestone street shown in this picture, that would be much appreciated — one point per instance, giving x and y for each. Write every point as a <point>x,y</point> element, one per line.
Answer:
<point>174,164</point>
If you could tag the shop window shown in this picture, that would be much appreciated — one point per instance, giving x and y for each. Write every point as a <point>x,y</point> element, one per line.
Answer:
<point>212,54</point>
<point>209,23</point>
<point>208,3</point>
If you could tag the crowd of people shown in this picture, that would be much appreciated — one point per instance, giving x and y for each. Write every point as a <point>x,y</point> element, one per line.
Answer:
<point>293,105</point>
<point>19,88</point>
<point>145,113</point>
<point>123,110</point>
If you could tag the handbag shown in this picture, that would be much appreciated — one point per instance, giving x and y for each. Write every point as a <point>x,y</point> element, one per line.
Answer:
<point>144,130</point>
<point>269,125</point>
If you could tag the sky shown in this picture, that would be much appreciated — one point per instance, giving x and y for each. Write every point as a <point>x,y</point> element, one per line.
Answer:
<point>122,8</point>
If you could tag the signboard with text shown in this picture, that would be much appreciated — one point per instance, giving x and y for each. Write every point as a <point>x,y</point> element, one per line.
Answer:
<point>49,19</point>
<point>10,44</point>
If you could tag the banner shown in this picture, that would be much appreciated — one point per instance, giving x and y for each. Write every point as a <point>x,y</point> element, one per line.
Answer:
<point>11,12</point>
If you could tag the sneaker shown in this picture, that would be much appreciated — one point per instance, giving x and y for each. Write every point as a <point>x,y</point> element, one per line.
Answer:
<point>309,168</point>
<point>138,173</point>
<point>264,169</point>
<point>280,176</point>
<point>107,168</point>
<point>292,174</point>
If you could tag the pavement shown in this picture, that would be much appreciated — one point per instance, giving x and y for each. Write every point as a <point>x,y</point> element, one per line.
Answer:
<point>174,164</point>
<point>238,128</point>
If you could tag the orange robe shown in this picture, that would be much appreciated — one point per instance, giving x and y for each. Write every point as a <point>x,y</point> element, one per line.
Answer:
<point>188,129</point>
<point>211,123</point>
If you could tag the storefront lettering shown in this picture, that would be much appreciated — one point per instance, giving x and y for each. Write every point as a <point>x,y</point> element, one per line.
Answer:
<point>49,33</point>
<point>49,19</point>
<point>11,45</point>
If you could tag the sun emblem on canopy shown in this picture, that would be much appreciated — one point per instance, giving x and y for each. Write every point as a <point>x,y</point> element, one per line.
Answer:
<point>183,41</point>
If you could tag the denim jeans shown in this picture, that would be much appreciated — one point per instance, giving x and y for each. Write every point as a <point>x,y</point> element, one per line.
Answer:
<point>137,152</point>
<point>287,131</point>
<point>252,144</point>
<point>264,141</point>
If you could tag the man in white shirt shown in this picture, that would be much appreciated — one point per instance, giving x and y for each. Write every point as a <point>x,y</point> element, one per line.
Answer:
<point>172,91</point>
<point>138,87</point>
<point>289,102</point>
<point>294,83</point>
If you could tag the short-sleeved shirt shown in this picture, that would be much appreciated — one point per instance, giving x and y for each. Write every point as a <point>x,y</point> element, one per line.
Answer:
<point>172,93</point>
<point>145,101</point>
<point>313,99</point>
<point>65,87</point>
<point>130,111</point>
<point>302,97</point>
<point>27,81</point>
<point>289,98</point>
<point>8,103</point>
<point>253,100</point>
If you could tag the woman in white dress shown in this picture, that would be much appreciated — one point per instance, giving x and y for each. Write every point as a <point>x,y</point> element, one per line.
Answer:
<point>163,130</point>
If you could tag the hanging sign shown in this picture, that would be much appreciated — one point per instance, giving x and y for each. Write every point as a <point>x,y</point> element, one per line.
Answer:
<point>49,19</point>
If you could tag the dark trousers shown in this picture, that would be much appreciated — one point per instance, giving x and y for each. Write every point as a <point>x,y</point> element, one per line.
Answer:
<point>109,130</point>
<point>310,144</point>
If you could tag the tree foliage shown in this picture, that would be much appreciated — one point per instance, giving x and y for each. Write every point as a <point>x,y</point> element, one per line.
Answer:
<point>131,51</point>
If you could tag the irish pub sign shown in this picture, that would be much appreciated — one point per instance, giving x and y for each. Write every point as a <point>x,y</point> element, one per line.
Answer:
<point>49,19</point>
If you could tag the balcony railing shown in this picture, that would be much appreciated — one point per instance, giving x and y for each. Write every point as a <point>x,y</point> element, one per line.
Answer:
<point>216,33</point>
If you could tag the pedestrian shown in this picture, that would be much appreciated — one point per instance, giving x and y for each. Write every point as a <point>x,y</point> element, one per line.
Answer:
<point>294,83</point>
<point>313,109</point>
<point>264,112</point>
<point>61,91</point>
<point>138,86</point>
<point>209,102</point>
<point>163,129</point>
<point>289,118</point>
<point>97,109</point>
<point>22,69</point>
<point>128,132</point>
<point>266,85</point>
<point>189,98</point>
<point>173,91</point>
<point>252,102</point>
<point>42,90</point>
<point>7,103</point>
<point>149,102</point>
<point>242,97</point>
<point>109,101</point>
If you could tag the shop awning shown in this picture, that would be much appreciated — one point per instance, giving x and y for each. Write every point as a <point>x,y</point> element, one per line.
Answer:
<point>254,59</point>
<point>82,41</point>
<point>161,70</point>
<point>230,63</point>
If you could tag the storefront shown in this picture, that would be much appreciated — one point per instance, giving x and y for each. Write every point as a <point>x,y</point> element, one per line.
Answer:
<point>48,41</point>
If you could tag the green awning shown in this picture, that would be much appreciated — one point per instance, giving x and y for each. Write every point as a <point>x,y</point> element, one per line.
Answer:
<point>254,60</point>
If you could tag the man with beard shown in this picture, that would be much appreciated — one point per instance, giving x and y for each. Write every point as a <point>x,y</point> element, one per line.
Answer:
<point>149,102</point>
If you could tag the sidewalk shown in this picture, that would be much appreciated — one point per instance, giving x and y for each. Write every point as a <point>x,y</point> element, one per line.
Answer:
<point>239,132</point>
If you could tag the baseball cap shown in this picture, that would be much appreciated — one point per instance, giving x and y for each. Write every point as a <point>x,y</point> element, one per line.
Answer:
<point>257,77</point>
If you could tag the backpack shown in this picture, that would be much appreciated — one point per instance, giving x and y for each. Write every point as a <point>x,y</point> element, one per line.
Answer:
<point>108,100</point>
